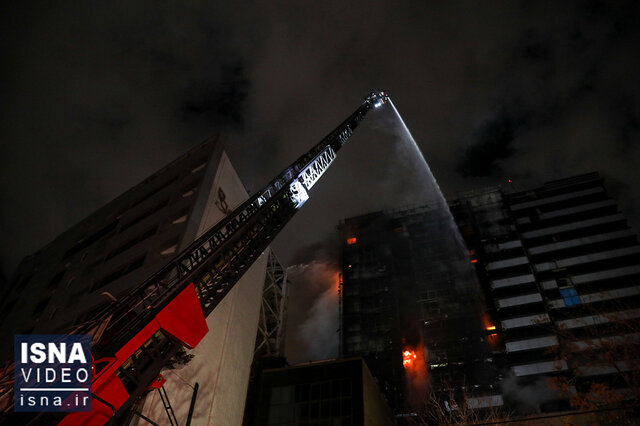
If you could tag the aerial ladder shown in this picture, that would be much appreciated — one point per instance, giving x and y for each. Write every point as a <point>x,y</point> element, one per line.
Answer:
<point>134,338</point>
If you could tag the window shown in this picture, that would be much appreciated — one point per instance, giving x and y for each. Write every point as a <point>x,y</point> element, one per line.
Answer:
<point>119,273</point>
<point>155,191</point>
<point>181,217</point>
<point>169,250</point>
<point>190,189</point>
<point>134,241</point>
<point>189,192</point>
<point>282,408</point>
<point>570,296</point>
<point>144,215</point>
<point>86,242</point>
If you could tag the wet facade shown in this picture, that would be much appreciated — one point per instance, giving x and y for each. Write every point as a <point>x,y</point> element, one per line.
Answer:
<point>561,267</point>
<point>410,299</point>
<point>554,287</point>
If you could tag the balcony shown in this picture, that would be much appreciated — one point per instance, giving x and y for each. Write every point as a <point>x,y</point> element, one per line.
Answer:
<point>589,258</point>
<point>519,300</point>
<point>501,264</point>
<point>599,370</point>
<point>578,209</point>
<point>535,343</point>
<point>600,296</point>
<point>605,275</point>
<point>554,199</point>
<point>630,339</point>
<point>508,282</point>
<point>590,320</point>
<point>553,230</point>
<point>578,242</point>
<point>510,245</point>
<point>539,368</point>
<point>475,403</point>
<point>525,321</point>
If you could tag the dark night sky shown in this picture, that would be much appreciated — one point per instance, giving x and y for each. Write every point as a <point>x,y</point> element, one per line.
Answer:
<point>96,97</point>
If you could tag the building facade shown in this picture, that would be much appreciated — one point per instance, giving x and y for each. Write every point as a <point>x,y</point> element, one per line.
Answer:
<point>562,268</point>
<point>557,271</point>
<point>119,246</point>
<point>333,392</point>
<point>410,299</point>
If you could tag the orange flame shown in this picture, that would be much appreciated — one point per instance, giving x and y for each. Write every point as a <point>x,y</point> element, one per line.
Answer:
<point>414,361</point>
<point>407,358</point>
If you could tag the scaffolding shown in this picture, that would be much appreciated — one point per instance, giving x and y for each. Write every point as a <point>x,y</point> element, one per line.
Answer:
<point>273,313</point>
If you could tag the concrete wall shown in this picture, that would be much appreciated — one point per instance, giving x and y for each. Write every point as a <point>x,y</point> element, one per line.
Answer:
<point>60,285</point>
<point>222,361</point>
<point>376,409</point>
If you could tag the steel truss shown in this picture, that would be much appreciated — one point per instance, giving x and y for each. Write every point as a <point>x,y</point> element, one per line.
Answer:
<point>273,313</point>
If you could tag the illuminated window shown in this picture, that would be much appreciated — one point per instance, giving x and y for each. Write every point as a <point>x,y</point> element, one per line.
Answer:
<point>351,240</point>
<point>570,296</point>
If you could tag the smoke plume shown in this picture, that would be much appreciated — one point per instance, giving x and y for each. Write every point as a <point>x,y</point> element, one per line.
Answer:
<point>528,396</point>
<point>314,333</point>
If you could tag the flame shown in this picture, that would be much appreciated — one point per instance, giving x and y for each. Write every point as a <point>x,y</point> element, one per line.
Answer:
<point>408,357</point>
<point>414,361</point>
<point>491,327</point>
<point>351,241</point>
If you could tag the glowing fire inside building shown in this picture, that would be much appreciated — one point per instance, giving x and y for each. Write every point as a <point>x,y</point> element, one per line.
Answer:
<point>408,357</point>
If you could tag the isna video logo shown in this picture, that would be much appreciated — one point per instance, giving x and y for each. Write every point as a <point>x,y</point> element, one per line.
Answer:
<point>52,372</point>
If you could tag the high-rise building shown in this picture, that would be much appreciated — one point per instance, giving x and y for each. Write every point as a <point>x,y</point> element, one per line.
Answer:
<point>557,268</point>
<point>117,247</point>
<point>410,298</point>
<point>561,266</point>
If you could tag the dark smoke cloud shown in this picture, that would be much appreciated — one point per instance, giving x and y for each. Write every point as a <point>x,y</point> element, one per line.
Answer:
<point>527,395</point>
<point>313,318</point>
<point>493,143</point>
<point>312,333</point>
<point>222,102</point>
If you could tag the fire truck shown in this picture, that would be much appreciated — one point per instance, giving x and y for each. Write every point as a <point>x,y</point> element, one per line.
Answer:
<point>135,338</point>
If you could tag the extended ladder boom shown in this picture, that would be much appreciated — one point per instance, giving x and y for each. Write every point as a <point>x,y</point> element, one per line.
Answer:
<point>226,251</point>
<point>211,265</point>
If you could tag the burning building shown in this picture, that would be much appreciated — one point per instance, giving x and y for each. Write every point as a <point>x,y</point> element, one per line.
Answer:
<point>560,268</point>
<point>411,305</point>
<point>527,286</point>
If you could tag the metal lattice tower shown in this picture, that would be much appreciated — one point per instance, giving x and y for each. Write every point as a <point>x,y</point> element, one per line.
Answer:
<point>273,313</point>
